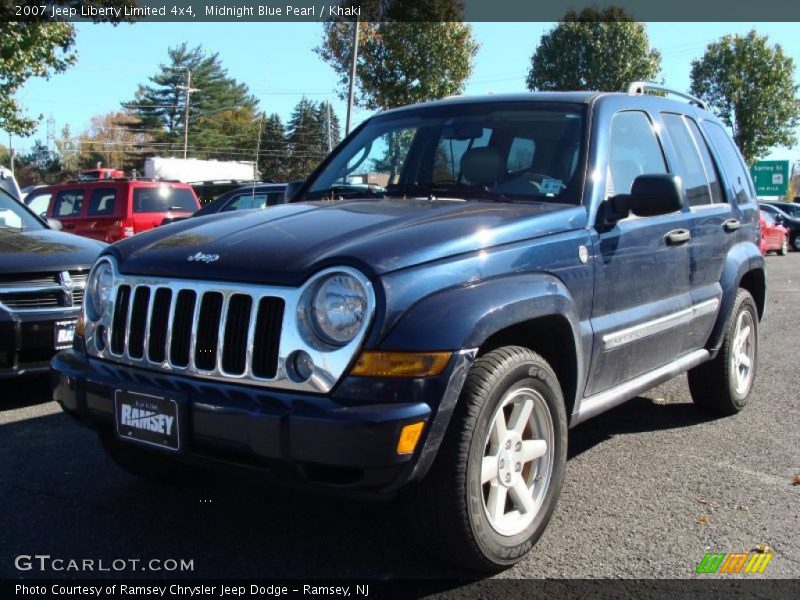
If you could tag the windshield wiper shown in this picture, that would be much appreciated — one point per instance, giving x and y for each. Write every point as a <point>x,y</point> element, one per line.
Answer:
<point>466,190</point>
<point>336,192</point>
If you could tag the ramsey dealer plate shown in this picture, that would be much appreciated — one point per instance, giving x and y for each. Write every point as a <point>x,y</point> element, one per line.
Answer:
<point>63,332</point>
<point>146,419</point>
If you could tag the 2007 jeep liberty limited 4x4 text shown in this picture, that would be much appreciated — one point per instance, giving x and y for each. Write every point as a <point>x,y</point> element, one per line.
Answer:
<point>527,262</point>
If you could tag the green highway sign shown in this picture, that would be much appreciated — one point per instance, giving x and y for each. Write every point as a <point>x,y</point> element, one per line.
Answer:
<point>771,177</point>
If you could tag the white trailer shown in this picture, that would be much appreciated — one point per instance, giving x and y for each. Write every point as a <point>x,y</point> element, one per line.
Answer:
<point>194,169</point>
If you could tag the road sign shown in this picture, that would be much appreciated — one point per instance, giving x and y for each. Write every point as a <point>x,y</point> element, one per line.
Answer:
<point>771,177</point>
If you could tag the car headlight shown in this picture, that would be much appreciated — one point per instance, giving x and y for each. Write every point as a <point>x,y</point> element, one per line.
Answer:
<point>98,290</point>
<point>339,308</point>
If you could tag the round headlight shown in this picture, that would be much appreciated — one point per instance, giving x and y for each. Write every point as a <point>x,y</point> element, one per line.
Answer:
<point>98,290</point>
<point>339,308</point>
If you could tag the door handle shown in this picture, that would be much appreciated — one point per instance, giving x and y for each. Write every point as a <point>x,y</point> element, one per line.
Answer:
<point>69,226</point>
<point>676,237</point>
<point>731,225</point>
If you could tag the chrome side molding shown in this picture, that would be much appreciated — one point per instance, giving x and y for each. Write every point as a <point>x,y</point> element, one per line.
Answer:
<point>603,401</point>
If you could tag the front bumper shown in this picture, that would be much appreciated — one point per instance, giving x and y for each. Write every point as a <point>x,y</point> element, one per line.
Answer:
<point>345,441</point>
<point>27,340</point>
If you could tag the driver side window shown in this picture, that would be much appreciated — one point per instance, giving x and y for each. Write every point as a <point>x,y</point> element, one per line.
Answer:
<point>633,150</point>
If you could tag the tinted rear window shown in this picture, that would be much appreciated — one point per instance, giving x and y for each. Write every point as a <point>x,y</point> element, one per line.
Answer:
<point>163,199</point>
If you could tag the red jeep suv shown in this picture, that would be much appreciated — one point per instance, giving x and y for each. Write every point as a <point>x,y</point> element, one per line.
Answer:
<point>112,209</point>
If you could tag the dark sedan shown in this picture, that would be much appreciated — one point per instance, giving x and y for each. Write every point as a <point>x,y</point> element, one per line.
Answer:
<point>42,279</point>
<point>246,197</point>
<point>787,219</point>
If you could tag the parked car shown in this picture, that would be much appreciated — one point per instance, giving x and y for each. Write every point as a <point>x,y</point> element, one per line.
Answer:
<point>9,184</point>
<point>101,173</point>
<point>790,208</point>
<point>792,224</point>
<point>208,191</point>
<point>42,277</point>
<point>246,197</point>
<point>111,210</point>
<point>535,260</point>
<point>774,237</point>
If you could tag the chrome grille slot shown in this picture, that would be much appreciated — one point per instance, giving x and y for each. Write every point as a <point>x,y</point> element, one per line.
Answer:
<point>136,333</point>
<point>120,320</point>
<point>237,325</point>
<point>207,332</point>
<point>159,320</point>
<point>266,342</point>
<point>181,341</point>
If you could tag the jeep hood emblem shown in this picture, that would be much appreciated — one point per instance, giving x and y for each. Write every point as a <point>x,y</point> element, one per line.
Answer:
<point>204,258</point>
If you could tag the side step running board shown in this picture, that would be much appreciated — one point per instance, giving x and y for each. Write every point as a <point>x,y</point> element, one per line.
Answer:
<point>594,405</point>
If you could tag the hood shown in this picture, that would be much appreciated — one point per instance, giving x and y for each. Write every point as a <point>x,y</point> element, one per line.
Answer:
<point>285,244</point>
<point>44,250</point>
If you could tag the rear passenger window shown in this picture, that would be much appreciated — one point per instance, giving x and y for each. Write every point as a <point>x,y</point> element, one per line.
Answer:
<point>68,203</point>
<point>691,167</point>
<point>102,202</point>
<point>633,150</point>
<point>731,162</point>
<point>39,203</point>
<point>163,198</point>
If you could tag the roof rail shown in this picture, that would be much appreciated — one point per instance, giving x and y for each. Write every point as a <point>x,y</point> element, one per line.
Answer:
<point>640,87</point>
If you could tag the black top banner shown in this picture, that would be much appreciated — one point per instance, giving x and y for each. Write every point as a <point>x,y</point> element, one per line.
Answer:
<point>391,10</point>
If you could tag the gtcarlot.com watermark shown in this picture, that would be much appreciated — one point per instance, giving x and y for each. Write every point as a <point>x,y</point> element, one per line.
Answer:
<point>45,563</point>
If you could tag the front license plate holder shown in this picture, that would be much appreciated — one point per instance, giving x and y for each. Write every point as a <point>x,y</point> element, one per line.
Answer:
<point>147,419</point>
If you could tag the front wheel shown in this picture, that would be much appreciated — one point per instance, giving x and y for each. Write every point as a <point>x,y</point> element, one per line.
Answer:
<point>498,474</point>
<point>722,385</point>
<point>784,249</point>
<point>796,242</point>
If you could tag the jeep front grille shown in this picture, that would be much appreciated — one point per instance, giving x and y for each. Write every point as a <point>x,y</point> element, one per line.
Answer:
<point>207,331</point>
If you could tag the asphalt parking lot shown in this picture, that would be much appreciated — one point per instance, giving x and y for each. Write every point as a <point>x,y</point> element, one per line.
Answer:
<point>650,488</point>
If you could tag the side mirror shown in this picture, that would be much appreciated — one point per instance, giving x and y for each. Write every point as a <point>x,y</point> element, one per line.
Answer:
<point>55,224</point>
<point>651,195</point>
<point>291,189</point>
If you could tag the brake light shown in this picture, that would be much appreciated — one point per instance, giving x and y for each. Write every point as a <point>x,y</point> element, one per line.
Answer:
<point>121,229</point>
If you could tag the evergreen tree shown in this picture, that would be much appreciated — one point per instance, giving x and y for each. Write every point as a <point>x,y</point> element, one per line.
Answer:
<point>160,105</point>
<point>306,139</point>
<point>273,150</point>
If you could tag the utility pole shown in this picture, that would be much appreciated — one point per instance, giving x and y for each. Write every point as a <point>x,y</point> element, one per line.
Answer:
<point>10,154</point>
<point>328,123</point>
<point>257,174</point>
<point>351,94</point>
<point>189,89</point>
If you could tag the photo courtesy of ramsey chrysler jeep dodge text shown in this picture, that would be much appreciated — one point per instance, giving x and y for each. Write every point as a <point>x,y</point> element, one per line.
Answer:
<point>527,262</point>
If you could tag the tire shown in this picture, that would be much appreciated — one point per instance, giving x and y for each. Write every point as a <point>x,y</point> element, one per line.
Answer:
<point>449,510</point>
<point>145,463</point>
<point>784,249</point>
<point>721,386</point>
<point>795,241</point>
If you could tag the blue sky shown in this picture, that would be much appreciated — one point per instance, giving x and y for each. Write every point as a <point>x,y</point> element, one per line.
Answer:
<point>277,62</point>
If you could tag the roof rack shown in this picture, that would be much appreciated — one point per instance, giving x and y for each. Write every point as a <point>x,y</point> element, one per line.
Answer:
<point>640,87</point>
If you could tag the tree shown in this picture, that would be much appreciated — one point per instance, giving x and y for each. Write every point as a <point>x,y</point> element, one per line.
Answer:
<point>39,165</point>
<point>750,86</point>
<point>113,139</point>
<point>402,60</point>
<point>273,150</point>
<point>160,105</point>
<point>593,50</point>
<point>230,134</point>
<point>30,49</point>
<point>38,47</point>
<point>307,144</point>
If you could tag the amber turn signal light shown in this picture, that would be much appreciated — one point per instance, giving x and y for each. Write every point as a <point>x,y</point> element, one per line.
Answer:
<point>409,436</point>
<point>80,329</point>
<point>400,364</point>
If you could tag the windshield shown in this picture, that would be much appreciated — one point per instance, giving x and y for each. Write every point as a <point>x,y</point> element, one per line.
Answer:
<point>488,150</point>
<point>15,216</point>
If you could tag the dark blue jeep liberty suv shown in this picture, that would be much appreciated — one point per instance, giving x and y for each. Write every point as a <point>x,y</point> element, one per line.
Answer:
<point>524,263</point>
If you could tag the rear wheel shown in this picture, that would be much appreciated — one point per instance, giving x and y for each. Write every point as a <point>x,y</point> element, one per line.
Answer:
<point>145,463</point>
<point>495,482</point>
<point>796,242</point>
<point>722,385</point>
